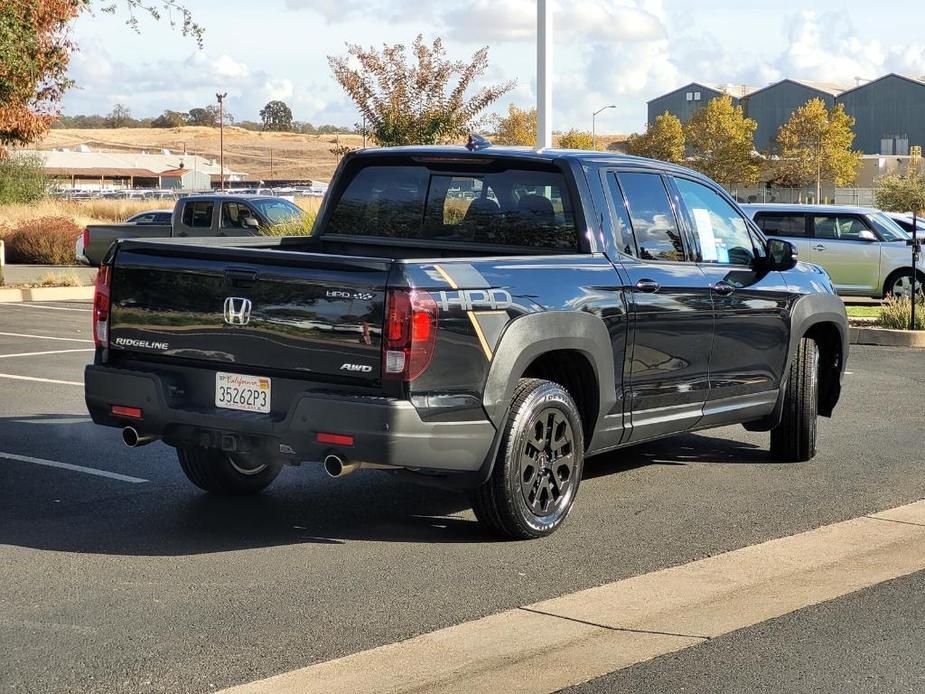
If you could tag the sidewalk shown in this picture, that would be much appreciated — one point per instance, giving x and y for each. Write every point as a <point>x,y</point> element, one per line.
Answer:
<point>31,274</point>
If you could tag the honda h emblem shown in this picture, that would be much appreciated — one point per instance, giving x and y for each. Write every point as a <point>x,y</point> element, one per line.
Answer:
<point>237,311</point>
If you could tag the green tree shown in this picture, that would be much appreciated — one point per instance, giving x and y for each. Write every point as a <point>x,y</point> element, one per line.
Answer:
<point>719,142</point>
<point>35,49</point>
<point>518,127</point>
<point>575,139</point>
<point>422,101</point>
<point>663,139</point>
<point>815,145</point>
<point>276,116</point>
<point>22,179</point>
<point>896,193</point>
<point>170,119</point>
<point>207,116</point>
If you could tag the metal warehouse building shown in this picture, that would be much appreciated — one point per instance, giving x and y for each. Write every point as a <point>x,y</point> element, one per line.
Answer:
<point>889,114</point>
<point>772,106</point>
<point>685,101</point>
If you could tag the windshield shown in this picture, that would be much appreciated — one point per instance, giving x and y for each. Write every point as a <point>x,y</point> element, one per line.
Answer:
<point>889,230</point>
<point>277,210</point>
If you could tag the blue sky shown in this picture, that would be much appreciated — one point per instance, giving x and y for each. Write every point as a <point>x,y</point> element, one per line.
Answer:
<point>622,52</point>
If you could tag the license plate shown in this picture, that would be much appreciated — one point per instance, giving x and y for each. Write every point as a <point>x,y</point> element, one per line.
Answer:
<point>240,392</point>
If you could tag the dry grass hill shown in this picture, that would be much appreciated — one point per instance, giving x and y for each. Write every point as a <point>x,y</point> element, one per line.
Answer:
<point>262,155</point>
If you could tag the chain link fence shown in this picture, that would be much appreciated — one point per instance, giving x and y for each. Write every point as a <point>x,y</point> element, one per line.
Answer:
<point>861,197</point>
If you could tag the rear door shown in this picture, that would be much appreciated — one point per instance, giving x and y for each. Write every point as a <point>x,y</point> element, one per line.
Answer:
<point>250,311</point>
<point>849,250</point>
<point>197,218</point>
<point>668,377</point>
<point>795,227</point>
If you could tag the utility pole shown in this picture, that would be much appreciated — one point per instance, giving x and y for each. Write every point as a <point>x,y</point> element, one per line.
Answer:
<point>271,162</point>
<point>221,135</point>
<point>594,125</point>
<point>364,131</point>
<point>543,75</point>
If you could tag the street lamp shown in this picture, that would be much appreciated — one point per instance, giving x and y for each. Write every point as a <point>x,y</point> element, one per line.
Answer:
<point>221,136</point>
<point>594,125</point>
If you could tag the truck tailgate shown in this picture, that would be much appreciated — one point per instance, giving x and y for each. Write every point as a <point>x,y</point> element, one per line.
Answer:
<point>254,310</point>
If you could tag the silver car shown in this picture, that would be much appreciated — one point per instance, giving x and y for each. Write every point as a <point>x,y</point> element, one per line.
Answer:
<point>864,251</point>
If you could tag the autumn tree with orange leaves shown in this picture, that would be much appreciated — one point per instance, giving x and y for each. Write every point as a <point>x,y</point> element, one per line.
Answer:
<point>35,49</point>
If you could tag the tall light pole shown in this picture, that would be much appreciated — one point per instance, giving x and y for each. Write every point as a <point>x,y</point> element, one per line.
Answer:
<point>543,75</point>
<point>221,136</point>
<point>594,125</point>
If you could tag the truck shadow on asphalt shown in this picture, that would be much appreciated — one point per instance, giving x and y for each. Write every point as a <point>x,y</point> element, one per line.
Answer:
<point>61,510</point>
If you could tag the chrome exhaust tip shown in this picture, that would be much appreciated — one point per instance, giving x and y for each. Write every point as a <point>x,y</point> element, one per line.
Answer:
<point>132,439</point>
<point>336,466</point>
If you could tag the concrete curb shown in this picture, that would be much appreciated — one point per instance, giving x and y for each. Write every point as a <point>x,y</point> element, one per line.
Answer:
<point>8,296</point>
<point>882,337</point>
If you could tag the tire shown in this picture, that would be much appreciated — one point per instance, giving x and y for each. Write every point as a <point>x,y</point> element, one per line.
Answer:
<point>219,473</point>
<point>794,439</point>
<point>899,284</point>
<point>540,461</point>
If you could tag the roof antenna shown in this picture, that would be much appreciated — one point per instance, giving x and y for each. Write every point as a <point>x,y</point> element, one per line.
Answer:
<point>477,143</point>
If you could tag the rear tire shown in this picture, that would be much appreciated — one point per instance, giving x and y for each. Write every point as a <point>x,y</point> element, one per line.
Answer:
<point>794,439</point>
<point>221,473</point>
<point>540,461</point>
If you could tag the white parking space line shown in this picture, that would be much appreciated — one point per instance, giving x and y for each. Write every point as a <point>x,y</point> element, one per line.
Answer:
<point>14,377</point>
<point>47,337</point>
<point>73,468</point>
<point>46,308</point>
<point>40,354</point>
<point>571,639</point>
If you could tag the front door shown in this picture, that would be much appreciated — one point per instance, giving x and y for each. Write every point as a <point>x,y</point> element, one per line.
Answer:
<point>849,251</point>
<point>751,332</point>
<point>667,373</point>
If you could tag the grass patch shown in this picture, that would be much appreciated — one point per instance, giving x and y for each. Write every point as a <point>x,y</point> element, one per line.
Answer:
<point>863,311</point>
<point>68,278</point>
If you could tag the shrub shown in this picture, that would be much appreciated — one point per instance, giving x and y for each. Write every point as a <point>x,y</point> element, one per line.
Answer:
<point>68,278</point>
<point>897,313</point>
<point>300,226</point>
<point>46,241</point>
<point>22,180</point>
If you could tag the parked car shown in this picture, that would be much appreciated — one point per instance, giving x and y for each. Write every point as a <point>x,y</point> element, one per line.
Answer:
<point>581,303</point>
<point>194,216</point>
<point>906,222</point>
<point>151,217</point>
<point>863,249</point>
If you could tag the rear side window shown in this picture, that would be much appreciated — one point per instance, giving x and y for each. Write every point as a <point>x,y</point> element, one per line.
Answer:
<point>654,225</point>
<point>513,207</point>
<point>198,214</point>
<point>781,224</point>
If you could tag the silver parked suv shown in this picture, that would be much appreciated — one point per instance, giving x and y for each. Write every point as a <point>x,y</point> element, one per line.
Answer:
<point>863,250</point>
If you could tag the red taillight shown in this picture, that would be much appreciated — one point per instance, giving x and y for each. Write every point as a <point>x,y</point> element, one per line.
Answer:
<point>410,333</point>
<point>86,239</point>
<point>101,306</point>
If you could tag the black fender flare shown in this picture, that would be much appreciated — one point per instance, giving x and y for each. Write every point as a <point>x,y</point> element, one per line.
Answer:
<point>535,334</point>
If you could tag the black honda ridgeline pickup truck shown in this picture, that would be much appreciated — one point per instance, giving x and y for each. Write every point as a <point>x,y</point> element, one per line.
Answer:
<point>482,320</point>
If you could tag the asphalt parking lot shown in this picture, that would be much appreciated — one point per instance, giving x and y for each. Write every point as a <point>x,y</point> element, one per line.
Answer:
<point>118,575</point>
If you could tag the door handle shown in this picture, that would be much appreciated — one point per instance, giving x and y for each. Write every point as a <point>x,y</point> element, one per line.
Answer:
<point>647,286</point>
<point>818,247</point>
<point>723,288</point>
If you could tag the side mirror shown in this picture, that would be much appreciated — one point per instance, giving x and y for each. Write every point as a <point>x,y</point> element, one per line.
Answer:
<point>782,255</point>
<point>251,223</point>
<point>867,235</point>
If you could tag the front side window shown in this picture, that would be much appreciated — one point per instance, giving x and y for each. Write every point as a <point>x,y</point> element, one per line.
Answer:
<point>776,224</point>
<point>529,208</point>
<point>234,215</point>
<point>720,229</point>
<point>198,214</point>
<point>654,226</point>
<point>842,228</point>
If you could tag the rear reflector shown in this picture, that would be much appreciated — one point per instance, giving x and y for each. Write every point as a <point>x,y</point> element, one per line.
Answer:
<point>120,411</point>
<point>334,439</point>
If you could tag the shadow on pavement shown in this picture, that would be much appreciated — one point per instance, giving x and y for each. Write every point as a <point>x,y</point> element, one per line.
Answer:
<point>60,510</point>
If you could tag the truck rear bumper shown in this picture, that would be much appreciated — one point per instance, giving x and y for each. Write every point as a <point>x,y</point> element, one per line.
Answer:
<point>385,431</point>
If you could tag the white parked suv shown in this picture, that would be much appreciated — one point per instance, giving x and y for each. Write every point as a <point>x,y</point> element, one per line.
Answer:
<point>864,251</point>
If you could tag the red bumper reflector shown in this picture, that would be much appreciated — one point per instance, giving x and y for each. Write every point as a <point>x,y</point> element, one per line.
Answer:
<point>334,439</point>
<point>120,411</point>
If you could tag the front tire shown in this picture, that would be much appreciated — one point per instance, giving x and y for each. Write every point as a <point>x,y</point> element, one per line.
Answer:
<point>794,439</point>
<point>540,461</point>
<point>899,285</point>
<point>220,473</point>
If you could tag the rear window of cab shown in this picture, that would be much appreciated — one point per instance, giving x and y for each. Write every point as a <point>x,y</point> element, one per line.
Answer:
<point>513,207</point>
